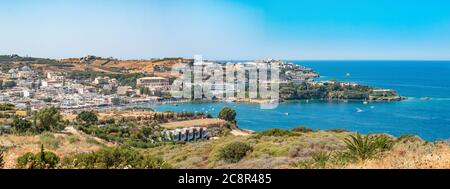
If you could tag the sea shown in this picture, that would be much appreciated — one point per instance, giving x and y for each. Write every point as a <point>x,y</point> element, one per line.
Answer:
<point>426,112</point>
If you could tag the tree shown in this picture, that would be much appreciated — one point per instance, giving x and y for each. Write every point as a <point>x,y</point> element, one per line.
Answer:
<point>88,117</point>
<point>48,99</point>
<point>48,119</point>
<point>21,125</point>
<point>228,114</point>
<point>2,163</point>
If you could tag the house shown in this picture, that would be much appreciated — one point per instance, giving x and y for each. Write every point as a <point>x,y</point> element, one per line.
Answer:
<point>53,76</point>
<point>101,80</point>
<point>154,83</point>
<point>86,90</point>
<point>124,90</point>
<point>21,113</point>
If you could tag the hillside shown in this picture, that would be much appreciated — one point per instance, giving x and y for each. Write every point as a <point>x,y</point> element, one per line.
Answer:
<point>98,64</point>
<point>65,143</point>
<point>301,149</point>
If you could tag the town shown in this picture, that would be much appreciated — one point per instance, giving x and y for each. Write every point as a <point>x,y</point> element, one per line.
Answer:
<point>31,89</point>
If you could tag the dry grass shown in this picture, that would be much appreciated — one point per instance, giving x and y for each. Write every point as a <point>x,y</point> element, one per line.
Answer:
<point>411,155</point>
<point>288,151</point>
<point>19,145</point>
<point>269,152</point>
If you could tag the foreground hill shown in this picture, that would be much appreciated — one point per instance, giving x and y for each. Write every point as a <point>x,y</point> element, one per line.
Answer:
<point>321,149</point>
<point>65,143</point>
<point>274,149</point>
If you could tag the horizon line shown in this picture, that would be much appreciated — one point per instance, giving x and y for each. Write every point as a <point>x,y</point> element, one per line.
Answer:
<point>247,59</point>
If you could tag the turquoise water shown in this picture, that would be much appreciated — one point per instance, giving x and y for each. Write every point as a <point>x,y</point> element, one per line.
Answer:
<point>429,119</point>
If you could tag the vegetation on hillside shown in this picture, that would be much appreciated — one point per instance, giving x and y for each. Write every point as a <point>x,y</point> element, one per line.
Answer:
<point>234,152</point>
<point>329,91</point>
<point>227,114</point>
<point>114,158</point>
<point>137,142</point>
<point>42,160</point>
<point>87,117</point>
<point>46,119</point>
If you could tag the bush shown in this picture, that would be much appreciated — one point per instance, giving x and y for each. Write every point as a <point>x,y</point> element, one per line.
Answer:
<point>87,117</point>
<point>48,119</point>
<point>302,129</point>
<point>22,125</point>
<point>234,152</point>
<point>321,158</point>
<point>115,158</point>
<point>383,142</point>
<point>227,114</point>
<point>41,160</point>
<point>366,147</point>
<point>338,130</point>
<point>409,138</point>
<point>275,132</point>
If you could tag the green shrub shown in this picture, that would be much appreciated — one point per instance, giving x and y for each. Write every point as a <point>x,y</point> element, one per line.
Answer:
<point>366,147</point>
<point>305,164</point>
<point>321,158</point>
<point>341,158</point>
<point>409,138</point>
<point>115,158</point>
<point>48,119</point>
<point>41,160</point>
<point>383,142</point>
<point>22,125</point>
<point>338,130</point>
<point>234,152</point>
<point>227,114</point>
<point>302,129</point>
<point>87,117</point>
<point>275,132</point>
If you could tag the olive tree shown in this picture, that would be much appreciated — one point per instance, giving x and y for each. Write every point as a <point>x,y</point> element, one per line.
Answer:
<point>87,117</point>
<point>228,114</point>
<point>48,119</point>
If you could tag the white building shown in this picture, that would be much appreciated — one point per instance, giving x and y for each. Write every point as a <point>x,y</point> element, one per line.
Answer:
<point>124,90</point>
<point>154,83</point>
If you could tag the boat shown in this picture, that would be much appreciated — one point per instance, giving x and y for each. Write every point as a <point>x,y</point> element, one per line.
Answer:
<point>286,114</point>
<point>348,74</point>
<point>365,102</point>
<point>359,110</point>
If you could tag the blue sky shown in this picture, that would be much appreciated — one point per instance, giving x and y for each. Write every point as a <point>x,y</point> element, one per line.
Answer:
<point>228,29</point>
